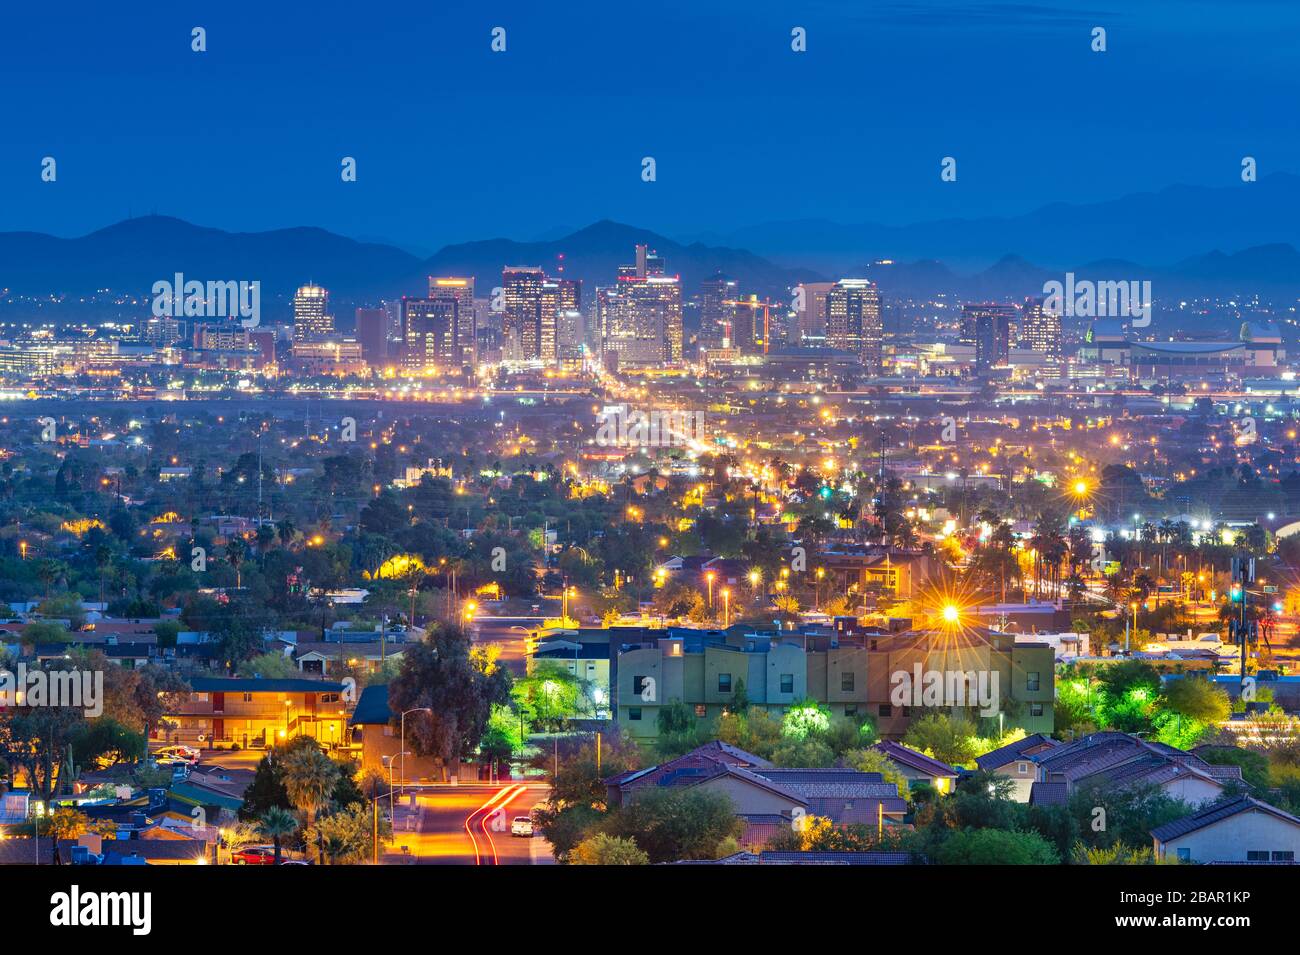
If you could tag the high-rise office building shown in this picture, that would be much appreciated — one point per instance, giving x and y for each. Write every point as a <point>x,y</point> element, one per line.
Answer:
<point>1040,329</point>
<point>372,333</point>
<point>718,294</point>
<point>1003,316</point>
<point>810,315</point>
<point>465,330</point>
<point>311,317</point>
<point>992,340</point>
<point>429,335</point>
<point>640,317</point>
<point>853,321</point>
<point>522,320</point>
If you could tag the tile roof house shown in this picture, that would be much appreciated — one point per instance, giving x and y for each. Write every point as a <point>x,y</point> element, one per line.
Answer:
<point>767,798</point>
<point>1014,762</point>
<point>1240,830</point>
<point>1111,759</point>
<point>920,770</point>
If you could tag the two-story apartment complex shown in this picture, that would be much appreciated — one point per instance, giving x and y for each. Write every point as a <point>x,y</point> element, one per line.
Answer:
<point>225,711</point>
<point>881,676</point>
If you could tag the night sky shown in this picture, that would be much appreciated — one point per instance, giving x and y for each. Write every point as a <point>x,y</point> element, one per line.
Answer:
<point>454,142</point>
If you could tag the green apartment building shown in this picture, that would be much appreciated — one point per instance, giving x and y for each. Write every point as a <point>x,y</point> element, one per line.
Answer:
<point>882,676</point>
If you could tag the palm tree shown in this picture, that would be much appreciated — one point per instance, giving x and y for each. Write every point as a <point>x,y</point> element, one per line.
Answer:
<point>276,824</point>
<point>309,778</point>
<point>235,552</point>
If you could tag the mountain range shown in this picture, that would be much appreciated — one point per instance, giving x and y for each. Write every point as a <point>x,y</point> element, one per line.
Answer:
<point>1123,240</point>
<point>1169,225</point>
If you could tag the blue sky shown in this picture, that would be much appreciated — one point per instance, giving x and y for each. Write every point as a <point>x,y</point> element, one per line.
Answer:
<point>454,142</point>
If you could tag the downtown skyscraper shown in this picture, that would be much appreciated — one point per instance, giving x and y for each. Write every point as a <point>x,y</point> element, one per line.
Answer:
<point>640,316</point>
<point>464,329</point>
<point>1040,329</point>
<point>311,317</point>
<point>853,321</point>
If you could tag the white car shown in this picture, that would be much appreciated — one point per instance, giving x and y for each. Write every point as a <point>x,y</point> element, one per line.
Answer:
<point>521,826</point>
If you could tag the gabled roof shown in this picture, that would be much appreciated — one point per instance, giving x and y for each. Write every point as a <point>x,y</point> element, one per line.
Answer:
<point>701,758</point>
<point>1013,751</point>
<point>918,761</point>
<point>1217,813</point>
<point>1152,769</point>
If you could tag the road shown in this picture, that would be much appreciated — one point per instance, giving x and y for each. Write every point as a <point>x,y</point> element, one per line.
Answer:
<point>509,632</point>
<point>461,825</point>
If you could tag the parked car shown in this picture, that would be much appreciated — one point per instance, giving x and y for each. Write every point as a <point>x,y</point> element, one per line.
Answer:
<point>188,753</point>
<point>254,855</point>
<point>521,826</point>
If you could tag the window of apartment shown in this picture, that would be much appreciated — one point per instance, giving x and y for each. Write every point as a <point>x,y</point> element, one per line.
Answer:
<point>634,712</point>
<point>1184,855</point>
<point>851,709</point>
<point>1031,682</point>
<point>330,697</point>
<point>787,682</point>
<point>846,682</point>
<point>701,710</point>
<point>1022,768</point>
<point>886,709</point>
<point>724,682</point>
<point>1257,855</point>
<point>248,697</point>
<point>1283,856</point>
<point>638,685</point>
<point>1035,709</point>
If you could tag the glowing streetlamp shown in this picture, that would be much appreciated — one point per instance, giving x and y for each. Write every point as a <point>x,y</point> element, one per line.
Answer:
<point>726,607</point>
<point>951,614</point>
<point>709,577</point>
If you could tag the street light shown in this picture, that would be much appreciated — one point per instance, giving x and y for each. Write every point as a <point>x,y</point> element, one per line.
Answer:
<point>726,607</point>
<point>709,577</point>
<point>414,709</point>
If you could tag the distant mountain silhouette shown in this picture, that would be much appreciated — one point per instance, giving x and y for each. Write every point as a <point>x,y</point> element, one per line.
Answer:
<point>1164,226</point>
<point>130,256</point>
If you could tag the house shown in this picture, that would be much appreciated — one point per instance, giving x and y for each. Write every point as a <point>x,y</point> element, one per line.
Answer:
<point>920,770</point>
<point>1241,830</point>
<point>1013,761</point>
<point>378,730</point>
<point>257,712</point>
<point>769,800</point>
<point>1109,760</point>
<point>324,659</point>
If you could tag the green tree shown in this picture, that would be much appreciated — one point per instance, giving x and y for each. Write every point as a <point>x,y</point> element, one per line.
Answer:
<point>997,847</point>
<point>670,824</point>
<point>309,779</point>
<point>277,824</point>
<point>601,849</point>
<point>946,738</point>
